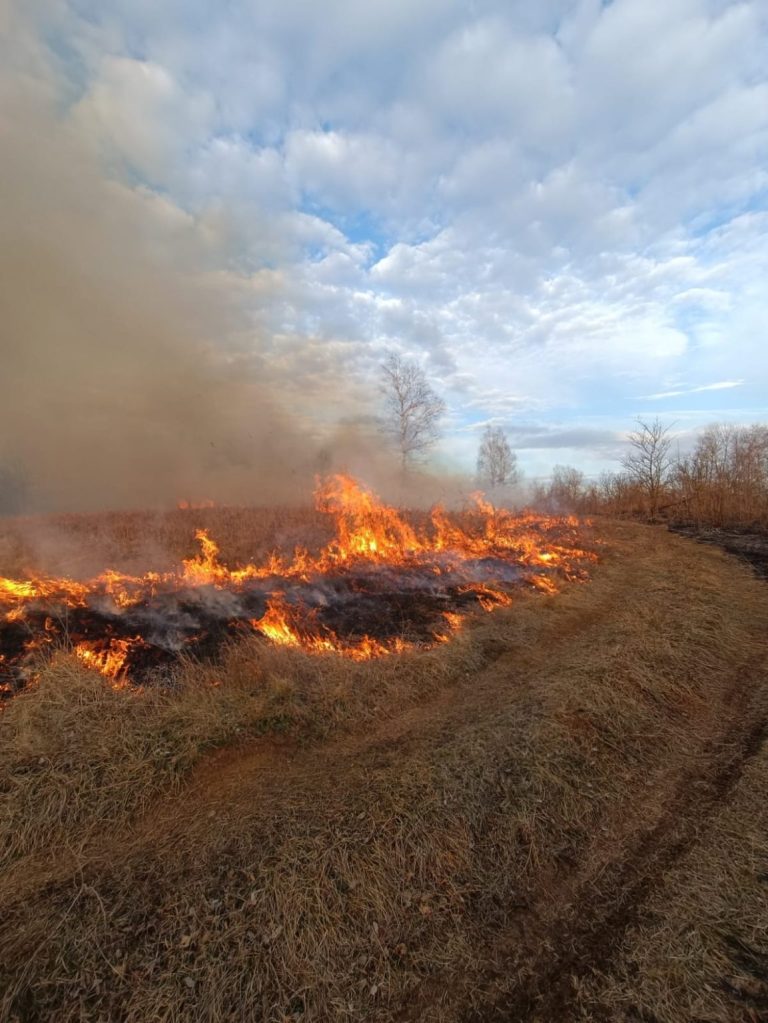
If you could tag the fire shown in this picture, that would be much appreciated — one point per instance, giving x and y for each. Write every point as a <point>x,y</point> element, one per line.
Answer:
<point>110,659</point>
<point>380,586</point>
<point>488,597</point>
<point>366,528</point>
<point>274,624</point>
<point>205,569</point>
<point>278,626</point>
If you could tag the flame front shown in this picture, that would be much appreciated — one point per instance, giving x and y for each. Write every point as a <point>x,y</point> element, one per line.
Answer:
<point>109,656</point>
<point>474,559</point>
<point>280,626</point>
<point>365,528</point>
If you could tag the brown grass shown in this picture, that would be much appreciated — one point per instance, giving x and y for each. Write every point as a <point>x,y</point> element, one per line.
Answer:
<point>78,754</point>
<point>504,828</point>
<point>698,949</point>
<point>82,545</point>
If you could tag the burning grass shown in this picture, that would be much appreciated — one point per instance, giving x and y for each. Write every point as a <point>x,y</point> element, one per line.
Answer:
<point>379,586</point>
<point>466,832</point>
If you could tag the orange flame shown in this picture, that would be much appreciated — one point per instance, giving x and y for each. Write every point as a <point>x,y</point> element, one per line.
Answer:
<point>108,657</point>
<point>278,625</point>
<point>368,533</point>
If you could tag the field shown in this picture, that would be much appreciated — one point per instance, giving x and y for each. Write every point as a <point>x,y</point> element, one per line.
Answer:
<point>558,815</point>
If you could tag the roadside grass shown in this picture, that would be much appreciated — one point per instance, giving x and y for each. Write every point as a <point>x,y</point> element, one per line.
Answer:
<point>78,754</point>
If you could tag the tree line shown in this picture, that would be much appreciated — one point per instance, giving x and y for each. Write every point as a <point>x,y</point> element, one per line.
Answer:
<point>723,481</point>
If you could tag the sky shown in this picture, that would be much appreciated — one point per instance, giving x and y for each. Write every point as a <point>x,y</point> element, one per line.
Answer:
<point>559,208</point>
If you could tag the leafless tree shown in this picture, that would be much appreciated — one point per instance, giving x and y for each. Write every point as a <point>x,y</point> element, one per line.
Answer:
<point>496,461</point>
<point>567,488</point>
<point>725,478</point>
<point>616,494</point>
<point>413,409</point>
<point>649,463</point>
<point>565,491</point>
<point>722,481</point>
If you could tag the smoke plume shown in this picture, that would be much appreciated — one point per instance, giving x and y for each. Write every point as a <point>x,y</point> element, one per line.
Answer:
<point>117,385</point>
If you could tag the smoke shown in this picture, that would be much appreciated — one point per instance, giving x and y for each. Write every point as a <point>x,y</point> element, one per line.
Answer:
<point>130,375</point>
<point>118,387</point>
<point>360,448</point>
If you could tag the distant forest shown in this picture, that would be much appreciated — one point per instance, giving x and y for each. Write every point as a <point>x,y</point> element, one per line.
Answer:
<point>723,482</point>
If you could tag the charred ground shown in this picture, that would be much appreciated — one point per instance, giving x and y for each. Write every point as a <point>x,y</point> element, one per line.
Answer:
<point>749,543</point>
<point>379,586</point>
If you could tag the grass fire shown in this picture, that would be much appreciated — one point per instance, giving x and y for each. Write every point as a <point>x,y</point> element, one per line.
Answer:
<point>380,585</point>
<point>383,512</point>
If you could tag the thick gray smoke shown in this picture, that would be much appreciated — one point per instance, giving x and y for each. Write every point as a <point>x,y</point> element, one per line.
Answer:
<point>117,388</point>
<point>120,385</point>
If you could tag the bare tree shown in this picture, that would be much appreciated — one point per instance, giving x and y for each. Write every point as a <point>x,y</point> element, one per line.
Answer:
<point>725,478</point>
<point>496,461</point>
<point>413,409</point>
<point>567,488</point>
<point>649,463</point>
<point>722,481</point>
<point>565,491</point>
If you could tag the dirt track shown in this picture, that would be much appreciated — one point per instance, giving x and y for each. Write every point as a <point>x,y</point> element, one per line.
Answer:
<point>602,903</point>
<point>487,855</point>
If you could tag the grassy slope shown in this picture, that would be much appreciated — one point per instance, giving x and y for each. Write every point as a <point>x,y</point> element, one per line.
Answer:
<point>509,828</point>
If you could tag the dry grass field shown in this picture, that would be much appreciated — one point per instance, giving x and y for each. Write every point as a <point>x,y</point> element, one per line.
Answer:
<point>559,815</point>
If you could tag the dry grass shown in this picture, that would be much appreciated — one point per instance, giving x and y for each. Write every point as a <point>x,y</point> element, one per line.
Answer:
<point>469,833</point>
<point>82,545</point>
<point>698,949</point>
<point>77,755</point>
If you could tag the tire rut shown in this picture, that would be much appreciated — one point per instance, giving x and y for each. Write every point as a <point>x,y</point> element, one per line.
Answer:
<point>588,938</point>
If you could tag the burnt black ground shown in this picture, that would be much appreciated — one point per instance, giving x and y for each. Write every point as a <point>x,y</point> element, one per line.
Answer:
<point>749,544</point>
<point>384,604</point>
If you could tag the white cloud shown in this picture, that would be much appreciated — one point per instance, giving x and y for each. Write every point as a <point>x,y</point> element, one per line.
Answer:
<point>342,170</point>
<point>722,385</point>
<point>490,77</point>
<point>645,67</point>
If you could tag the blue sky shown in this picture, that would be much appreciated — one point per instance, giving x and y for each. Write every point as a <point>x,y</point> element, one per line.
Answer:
<point>559,208</point>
